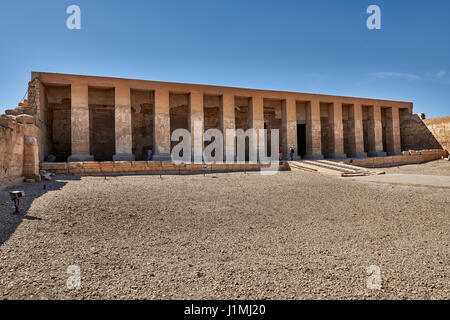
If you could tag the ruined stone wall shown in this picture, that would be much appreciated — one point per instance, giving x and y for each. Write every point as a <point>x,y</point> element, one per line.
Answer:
<point>407,157</point>
<point>440,129</point>
<point>18,149</point>
<point>38,107</point>
<point>415,135</point>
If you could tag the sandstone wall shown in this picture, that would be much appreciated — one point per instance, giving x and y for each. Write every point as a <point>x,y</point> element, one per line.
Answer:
<point>407,157</point>
<point>18,149</point>
<point>440,129</point>
<point>39,108</point>
<point>150,167</point>
<point>142,122</point>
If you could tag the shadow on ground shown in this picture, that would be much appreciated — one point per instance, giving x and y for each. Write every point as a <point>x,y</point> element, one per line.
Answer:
<point>9,220</point>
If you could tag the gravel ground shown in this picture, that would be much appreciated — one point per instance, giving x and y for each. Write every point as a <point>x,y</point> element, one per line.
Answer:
<point>438,168</point>
<point>293,235</point>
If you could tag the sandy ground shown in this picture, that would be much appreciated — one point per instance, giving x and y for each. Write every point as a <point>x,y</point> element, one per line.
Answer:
<point>438,167</point>
<point>293,235</point>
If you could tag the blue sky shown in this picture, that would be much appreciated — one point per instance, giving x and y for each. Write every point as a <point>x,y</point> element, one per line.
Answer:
<point>306,46</point>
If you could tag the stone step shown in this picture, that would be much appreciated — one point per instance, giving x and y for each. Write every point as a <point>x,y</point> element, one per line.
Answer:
<point>329,168</point>
<point>296,167</point>
<point>306,165</point>
<point>343,165</point>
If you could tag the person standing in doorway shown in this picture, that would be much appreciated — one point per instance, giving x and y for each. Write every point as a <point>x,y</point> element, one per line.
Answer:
<point>280,151</point>
<point>291,152</point>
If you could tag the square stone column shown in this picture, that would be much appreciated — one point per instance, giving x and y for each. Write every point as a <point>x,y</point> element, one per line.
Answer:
<point>392,131</point>
<point>256,122</point>
<point>227,122</point>
<point>313,131</point>
<point>195,119</point>
<point>375,132</point>
<point>123,130</point>
<point>356,133</point>
<point>79,118</point>
<point>289,128</point>
<point>161,125</point>
<point>336,131</point>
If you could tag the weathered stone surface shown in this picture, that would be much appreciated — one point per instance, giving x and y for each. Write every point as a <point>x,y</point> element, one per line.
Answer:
<point>123,125</point>
<point>80,119</point>
<point>30,158</point>
<point>416,135</point>
<point>227,122</point>
<point>407,157</point>
<point>289,128</point>
<point>196,125</point>
<point>440,129</point>
<point>161,122</point>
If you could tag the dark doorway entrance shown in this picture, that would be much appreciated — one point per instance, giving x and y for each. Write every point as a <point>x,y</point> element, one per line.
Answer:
<point>301,139</point>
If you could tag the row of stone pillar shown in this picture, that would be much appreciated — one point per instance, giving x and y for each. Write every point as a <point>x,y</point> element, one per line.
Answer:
<point>161,125</point>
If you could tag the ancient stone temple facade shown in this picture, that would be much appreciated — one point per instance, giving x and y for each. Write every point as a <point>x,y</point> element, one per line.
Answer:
<point>86,118</point>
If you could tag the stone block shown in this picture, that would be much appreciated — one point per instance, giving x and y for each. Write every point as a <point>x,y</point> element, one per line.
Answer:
<point>122,167</point>
<point>139,165</point>
<point>107,167</point>
<point>91,165</point>
<point>75,167</point>
<point>154,164</point>
<point>92,170</point>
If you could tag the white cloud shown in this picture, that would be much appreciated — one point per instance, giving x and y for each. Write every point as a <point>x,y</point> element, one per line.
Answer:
<point>384,75</point>
<point>441,74</point>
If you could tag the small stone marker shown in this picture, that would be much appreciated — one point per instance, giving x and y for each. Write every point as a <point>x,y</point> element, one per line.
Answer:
<point>15,196</point>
